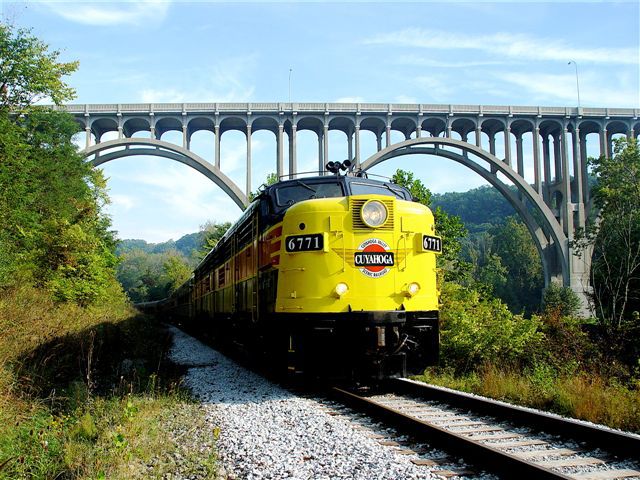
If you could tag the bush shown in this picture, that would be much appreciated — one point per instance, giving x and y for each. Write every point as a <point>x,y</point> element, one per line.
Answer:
<point>476,330</point>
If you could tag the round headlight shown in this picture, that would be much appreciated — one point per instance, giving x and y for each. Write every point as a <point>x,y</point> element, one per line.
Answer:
<point>341,289</point>
<point>374,213</point>
<point>413,288</point>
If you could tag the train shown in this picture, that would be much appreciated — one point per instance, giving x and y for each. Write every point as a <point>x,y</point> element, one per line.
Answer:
<point>328,275</point>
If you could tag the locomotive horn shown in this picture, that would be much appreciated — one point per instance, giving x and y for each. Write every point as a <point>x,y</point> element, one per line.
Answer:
<point>333,167</point>
<point>345,165</point>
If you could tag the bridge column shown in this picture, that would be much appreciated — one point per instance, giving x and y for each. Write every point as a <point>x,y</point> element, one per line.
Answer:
<point>507,145</point>
<point>293,163</point>
<point>577,177</point>
<point>557,157</point>
<point>120,132</point>
<point>379,140</point>
<point>216,130</point>
<point>388,135</point>
<point>418,131</point>
<point>358,147</point>
<point>604,150</point>
<point>350,146</point>
<point>325,140</point>
<point>280,152</point>
<point>536,161</point>
<point>546,160</point>
<point>321,163</point>
<point>449,128</point>
<point>478,137</point>
<point>583,167</point>
<point>248,184</point>
<point>87,131</point>
<point>185,137</point>
<point>492,149</point>
<point>152,132</point>
<point>519,155</point>
<point>567,206</point>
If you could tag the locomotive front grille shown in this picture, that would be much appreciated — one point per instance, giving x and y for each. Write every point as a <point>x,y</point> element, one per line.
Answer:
<point>358,224</point>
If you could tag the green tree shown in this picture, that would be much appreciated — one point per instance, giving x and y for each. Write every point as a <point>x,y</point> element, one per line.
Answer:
<point>30,72</point>
<point>512,242</point>
<point>52,230</point>
<point>614,238</point>
<point>212,233</point>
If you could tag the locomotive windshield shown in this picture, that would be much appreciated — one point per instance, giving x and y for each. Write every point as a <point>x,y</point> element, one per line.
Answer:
<point>304,190</point>
<point>358,188</point>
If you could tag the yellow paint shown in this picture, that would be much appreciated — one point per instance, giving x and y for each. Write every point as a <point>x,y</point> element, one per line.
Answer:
<point>314,275</point>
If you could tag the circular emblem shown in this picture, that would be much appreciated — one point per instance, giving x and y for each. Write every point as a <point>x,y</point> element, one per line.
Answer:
<point>373,258</point>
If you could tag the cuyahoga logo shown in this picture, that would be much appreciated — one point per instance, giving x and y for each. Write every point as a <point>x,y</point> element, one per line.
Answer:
<point>373,258</point>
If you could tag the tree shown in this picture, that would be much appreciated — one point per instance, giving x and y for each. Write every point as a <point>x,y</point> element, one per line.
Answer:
<point>212,233</point>
<point>52,231</point>
<point>615,237</point>
<point>30,72</point>
<point>512,242</point>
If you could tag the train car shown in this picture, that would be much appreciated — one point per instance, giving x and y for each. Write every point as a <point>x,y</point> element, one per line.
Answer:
<point>329,275</point>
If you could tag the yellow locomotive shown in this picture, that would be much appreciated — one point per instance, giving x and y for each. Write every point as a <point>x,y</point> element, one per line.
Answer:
<point>329,275</point>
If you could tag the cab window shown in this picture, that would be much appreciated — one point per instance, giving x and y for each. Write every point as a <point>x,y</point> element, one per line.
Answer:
<point>358,188</point>
<point>301,190</point>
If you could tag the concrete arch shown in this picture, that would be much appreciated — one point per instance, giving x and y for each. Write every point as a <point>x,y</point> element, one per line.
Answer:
<point>102,125</point>
<point>432,146</point>
<point>168,150</point>
<point>135,124</point>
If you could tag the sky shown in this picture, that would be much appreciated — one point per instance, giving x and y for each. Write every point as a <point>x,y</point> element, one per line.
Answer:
<point>489,53</point>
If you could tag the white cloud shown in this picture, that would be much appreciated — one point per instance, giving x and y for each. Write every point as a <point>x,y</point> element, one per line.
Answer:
<point>405,99</point>
<point>140,12</point>
<point>124,202</point>
<point>223,82</point>
<point>593,91</point>
<point>517,46</point>
<point>349,100</point>
<point>419,61</point>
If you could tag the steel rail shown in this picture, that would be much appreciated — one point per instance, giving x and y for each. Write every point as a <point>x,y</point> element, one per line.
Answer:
<point>612,441</point>
<point>509,466</point>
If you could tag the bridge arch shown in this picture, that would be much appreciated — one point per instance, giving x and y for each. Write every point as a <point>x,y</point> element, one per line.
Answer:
<point>547,233</point>
<point>159,148</point>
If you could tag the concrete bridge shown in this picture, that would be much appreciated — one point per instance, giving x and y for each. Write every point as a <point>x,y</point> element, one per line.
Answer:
<point>535,156</point>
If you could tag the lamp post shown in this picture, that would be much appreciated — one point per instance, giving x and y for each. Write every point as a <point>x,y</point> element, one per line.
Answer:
<point>290,70</point>
<point>577,82</point>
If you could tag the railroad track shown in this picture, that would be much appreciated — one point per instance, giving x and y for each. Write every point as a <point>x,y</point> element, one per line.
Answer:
<point>511,441</point>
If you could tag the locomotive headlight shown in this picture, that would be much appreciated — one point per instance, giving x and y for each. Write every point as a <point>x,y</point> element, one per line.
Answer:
<point>374,213</point>
<point>412,289</point>
<point>341,289</point>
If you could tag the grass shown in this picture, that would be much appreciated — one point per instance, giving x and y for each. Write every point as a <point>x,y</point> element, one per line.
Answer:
<point>88,394</point>
<point>586,396</point>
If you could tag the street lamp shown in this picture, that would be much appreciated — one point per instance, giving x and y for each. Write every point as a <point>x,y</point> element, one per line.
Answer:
<point>577,83</point>
<point>290,70</point>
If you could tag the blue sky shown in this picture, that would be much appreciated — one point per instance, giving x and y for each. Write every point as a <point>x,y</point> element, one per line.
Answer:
<point>506,53</point>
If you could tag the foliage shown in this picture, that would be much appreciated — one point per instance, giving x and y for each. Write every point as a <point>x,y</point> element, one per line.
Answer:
<point>29,71</point>
<point>82,397</point>
<point>52,230</point>
<point>480,208</point>
<point>212,233</point>
<point>614,238</point>
<point>477,330</point>
<point>152,276</point>
<point>560,300</point>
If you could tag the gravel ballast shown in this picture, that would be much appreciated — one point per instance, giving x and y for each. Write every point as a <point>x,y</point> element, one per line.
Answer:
<point>266,432</point>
